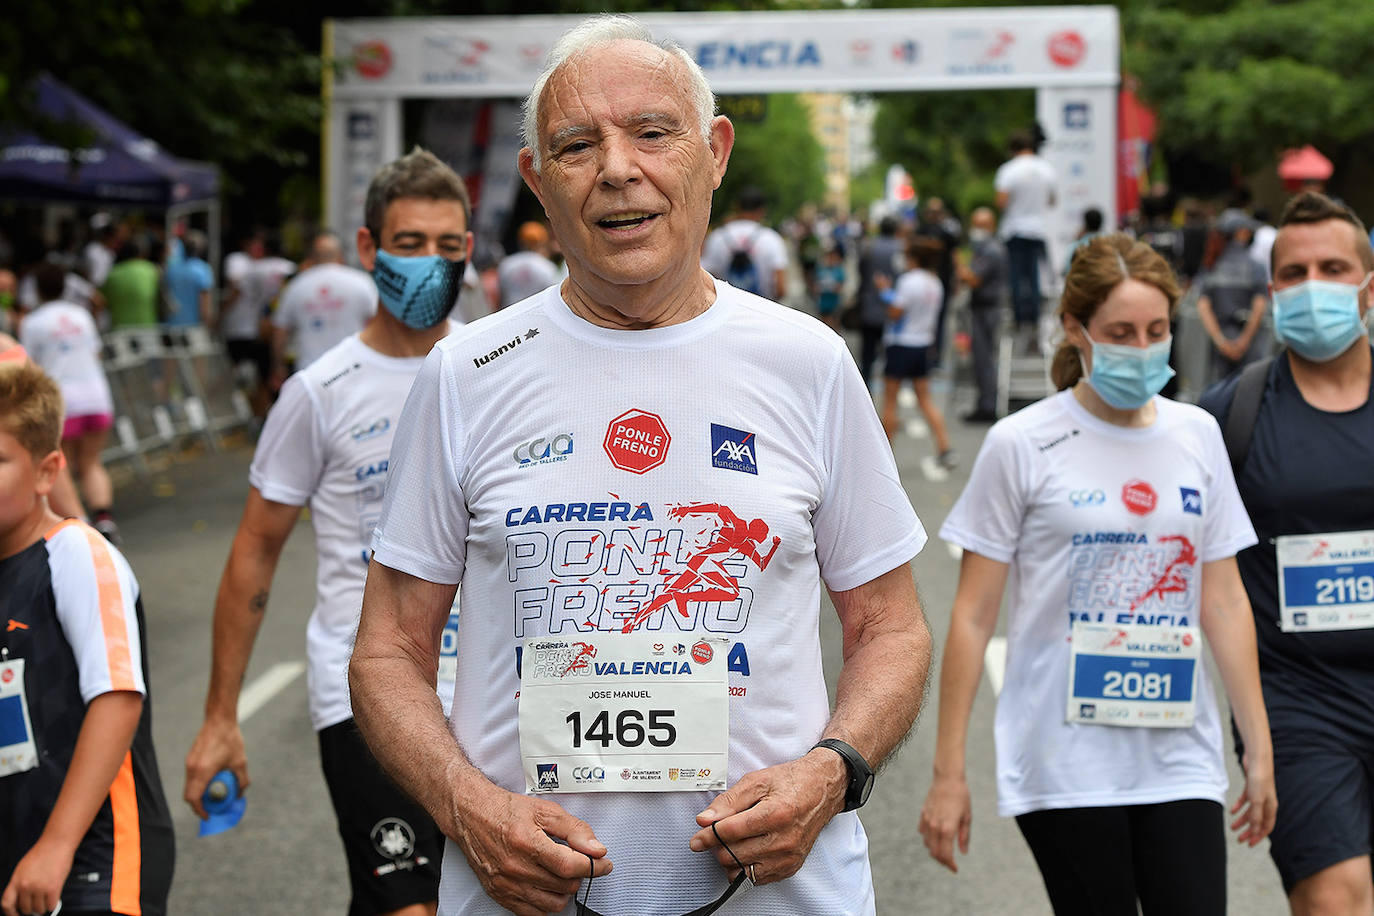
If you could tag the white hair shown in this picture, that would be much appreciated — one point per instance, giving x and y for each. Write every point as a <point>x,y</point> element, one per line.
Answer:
<point>594,33</point>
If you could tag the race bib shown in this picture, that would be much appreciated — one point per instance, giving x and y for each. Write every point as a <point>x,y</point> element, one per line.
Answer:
<point>1133,674</point>
<point>1326,581</point>
<point>17,750</point>
<point>624,713</point>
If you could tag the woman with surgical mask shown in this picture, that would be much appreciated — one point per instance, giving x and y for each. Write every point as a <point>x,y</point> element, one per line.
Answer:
<point>1112,514</point>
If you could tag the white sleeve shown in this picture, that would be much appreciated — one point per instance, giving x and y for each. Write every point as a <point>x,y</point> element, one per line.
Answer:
<point>424,523</point>
<point>1226,525</point>
<point>1000,182</point>
<point>777,251</point>
<point>714,254</point>
<point>290,457</point>
<point>865,525</point>
<point>988,515</point>
<point>95,592</point>
<point>287,305</point>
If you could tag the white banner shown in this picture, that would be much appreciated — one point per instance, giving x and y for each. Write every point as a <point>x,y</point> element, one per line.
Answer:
<point>1080,132</point>
<point>830,50</point>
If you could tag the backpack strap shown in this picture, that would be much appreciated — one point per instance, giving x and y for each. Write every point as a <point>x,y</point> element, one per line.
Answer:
<point>1245,405</point>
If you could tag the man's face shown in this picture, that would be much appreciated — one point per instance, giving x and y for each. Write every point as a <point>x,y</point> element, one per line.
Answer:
<point>1327,250</point>
<point>626,177</point>
<point>417,226</point>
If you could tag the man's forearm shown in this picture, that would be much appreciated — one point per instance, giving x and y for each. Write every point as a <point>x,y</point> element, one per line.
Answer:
<point>239,608</point>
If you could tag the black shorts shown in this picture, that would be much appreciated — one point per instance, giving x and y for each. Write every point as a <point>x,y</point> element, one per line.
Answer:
<point>906,362</point>
<point>251,350</point>
<point>1325,812</point>
<point>1170,856</point>
<point>393,848</point>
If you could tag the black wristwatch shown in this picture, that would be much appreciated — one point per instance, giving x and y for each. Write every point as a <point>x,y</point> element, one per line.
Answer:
<point>860,773</point>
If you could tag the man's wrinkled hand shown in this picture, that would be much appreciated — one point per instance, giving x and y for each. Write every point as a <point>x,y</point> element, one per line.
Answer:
<point>510,842</point>
<point>218,746</point>
<point>772,817</point>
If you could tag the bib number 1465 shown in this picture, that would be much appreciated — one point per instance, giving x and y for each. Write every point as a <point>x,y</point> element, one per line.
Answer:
<point>629,729</point>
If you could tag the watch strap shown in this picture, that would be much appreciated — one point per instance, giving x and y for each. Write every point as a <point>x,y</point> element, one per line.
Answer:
<point>859,770</point>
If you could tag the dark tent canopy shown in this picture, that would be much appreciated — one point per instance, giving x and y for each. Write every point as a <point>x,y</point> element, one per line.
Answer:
<point>121,168</point>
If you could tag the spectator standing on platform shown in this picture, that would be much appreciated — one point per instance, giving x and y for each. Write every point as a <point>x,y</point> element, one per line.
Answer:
<point>320,306</point>
<point>746,253</point>
<point>1025,194</point>
<point>880,260</point>
<point>61,337</point>
<point>1234,299</point>
<point>132,289</point>
<point>190,284</point>
<point>529,270</point>
<point>986,277</point>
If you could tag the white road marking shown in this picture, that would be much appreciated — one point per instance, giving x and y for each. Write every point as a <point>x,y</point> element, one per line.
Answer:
<point>995,662</point>
<point>955,551</point>
<point>932,470</point>
<point>917,429</point>
<point>267,685</point>
<point>906,398</point>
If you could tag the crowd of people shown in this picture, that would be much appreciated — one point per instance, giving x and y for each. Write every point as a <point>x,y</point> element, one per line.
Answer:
<point>638,678</point>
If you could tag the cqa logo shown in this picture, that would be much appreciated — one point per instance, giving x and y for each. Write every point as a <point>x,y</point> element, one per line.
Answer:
<point>637,441</point>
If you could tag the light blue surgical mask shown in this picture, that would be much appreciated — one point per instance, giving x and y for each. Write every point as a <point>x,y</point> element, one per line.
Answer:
<point>1127,377</point>
<point>419,291</point>
<point>1318,319</point>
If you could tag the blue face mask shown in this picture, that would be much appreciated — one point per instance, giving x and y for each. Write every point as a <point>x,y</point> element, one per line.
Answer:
<point>1126,377</point>
<point>419,291</point>
<point>1319,320</point>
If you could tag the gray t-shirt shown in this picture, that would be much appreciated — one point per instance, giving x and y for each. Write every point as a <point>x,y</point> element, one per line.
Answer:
<point>1232,284</point>
<point>989,262</point>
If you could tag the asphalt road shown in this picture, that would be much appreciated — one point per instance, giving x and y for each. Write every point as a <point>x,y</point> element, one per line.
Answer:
<point>286,857</point>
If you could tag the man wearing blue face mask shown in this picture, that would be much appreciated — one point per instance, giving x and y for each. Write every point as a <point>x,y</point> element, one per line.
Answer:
<point>1300,431</point>
<point>326,443</point>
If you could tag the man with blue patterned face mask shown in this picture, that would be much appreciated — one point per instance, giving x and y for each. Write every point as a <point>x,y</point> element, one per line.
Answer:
<point>1300,431</point>
<point>326,443</point>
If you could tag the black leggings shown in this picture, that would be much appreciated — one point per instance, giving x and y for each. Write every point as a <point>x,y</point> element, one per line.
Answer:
<point>1099,861</point>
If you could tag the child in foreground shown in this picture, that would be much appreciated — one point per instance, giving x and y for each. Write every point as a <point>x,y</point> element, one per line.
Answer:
<point>83,821</point>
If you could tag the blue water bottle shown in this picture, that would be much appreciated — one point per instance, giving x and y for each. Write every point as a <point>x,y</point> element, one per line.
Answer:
<point>223,803</point>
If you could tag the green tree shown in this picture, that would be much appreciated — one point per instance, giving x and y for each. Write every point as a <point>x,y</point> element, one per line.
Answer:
<point>779,155</point>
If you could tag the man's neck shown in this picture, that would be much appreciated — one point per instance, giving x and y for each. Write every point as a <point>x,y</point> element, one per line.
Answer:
<point>638,308</point>
<point>389,337</point>
<point>1336,386</point>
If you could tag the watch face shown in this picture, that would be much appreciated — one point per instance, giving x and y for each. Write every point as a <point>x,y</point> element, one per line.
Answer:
<point>865,789</point>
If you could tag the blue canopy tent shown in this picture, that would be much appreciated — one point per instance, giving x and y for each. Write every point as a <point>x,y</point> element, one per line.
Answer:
<point>121,168</point>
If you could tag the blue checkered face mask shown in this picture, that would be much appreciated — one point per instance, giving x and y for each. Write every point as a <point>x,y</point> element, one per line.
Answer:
<point>1126,377</point>
<point>419,291</point>
<point>1318,319</point>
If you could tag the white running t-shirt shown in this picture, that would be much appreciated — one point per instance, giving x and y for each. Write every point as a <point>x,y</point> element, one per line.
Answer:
<point>502,479</point>
<point>323,305</point>
<point>62,338</point>
<point>523,274</point>
<point>918,294</point>
<point>1107,524</point>
<point>325,443</point>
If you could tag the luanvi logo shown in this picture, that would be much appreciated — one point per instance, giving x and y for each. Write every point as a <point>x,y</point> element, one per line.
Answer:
<point>480,361</point>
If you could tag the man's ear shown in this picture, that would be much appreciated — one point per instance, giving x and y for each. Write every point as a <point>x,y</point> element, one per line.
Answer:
<point>367,249</point>
<point>524,162</point>
<point>722,140</point>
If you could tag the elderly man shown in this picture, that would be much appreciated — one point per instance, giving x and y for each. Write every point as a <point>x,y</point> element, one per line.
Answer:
<point>640,478</point>
<point>1300,429</point>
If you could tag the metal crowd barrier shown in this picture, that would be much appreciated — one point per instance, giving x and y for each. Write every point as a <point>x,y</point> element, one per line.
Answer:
<point>169,385</point>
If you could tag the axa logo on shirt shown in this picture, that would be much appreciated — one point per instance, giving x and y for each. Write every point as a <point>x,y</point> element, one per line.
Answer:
<point>1081,498</point>
<point>1192,500</point>
<point>733,449</point>
<point>364,431</point>
<point>544,450</point>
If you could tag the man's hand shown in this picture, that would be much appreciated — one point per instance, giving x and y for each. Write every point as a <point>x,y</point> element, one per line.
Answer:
<point>36,885</point>
<point>218,746</point>
<point>510,842</point>
<point>947,814</point>
<point>771,817</point>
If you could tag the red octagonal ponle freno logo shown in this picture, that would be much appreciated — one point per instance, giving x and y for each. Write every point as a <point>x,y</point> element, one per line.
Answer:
<point>637,441</point>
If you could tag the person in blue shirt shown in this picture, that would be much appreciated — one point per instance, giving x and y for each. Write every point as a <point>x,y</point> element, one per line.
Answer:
<point>188,281</point>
